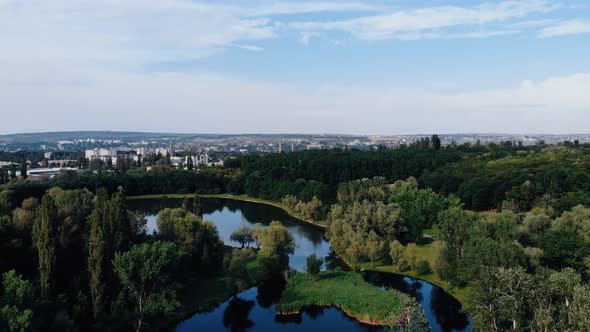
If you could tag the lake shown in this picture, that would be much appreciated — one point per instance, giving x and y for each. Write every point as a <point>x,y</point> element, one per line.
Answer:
<point>253,309</point>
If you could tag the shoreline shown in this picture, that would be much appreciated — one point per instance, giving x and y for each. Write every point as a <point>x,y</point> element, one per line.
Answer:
<point>242,198</point>
<point>365,321</point>
<point>245,198</point>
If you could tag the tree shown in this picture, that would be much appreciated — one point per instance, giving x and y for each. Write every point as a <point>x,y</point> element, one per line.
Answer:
<point>196,237</point>
<point>23,220</point>
<point>563,249</point>
<point>500,298</point>
<point>97,257</point>
<point>44,237</point>
<point>453,228</point>
<point>243,236</point>
<point>12,171</point>
<point>577,220</point>
<point>396,252</point>
<point>436,144</point>
<point>277,240</point>
<point>189,161</point>
<point>119,225</point>
<point>146,272</point>
<point>6,201</point>
<point>23,170</point>
<point>15,304</point>
<point>277,243</point>
<point>257,231</point>
<point>374,247</point>
<point>290,201</point>
<point>313,265</point>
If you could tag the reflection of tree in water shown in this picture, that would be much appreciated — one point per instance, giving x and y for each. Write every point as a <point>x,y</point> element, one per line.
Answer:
<point>152,206</point>
<point>445,308</point>
<point>314,312</point>
<point>270,291</point>
<point>409,286</point>
<point>235,316</point>
<point>413,288</point>
<point>447,311</point>
<point>289,319</point>
<point>211,205</point>
<point>264,214</point>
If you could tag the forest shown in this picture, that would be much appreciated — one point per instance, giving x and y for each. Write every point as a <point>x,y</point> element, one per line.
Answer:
<point>504,227</point>
<point>77,260</point>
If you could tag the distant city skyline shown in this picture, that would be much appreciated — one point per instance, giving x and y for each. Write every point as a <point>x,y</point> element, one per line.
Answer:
<point>307,67</point>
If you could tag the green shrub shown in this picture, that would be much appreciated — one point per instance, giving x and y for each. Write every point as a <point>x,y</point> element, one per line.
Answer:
<point>423,267</point>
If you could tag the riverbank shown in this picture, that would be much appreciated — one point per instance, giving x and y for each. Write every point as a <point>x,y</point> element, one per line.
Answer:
<point>423,252</point>
<point>243,198</point>
<point>347,291</point>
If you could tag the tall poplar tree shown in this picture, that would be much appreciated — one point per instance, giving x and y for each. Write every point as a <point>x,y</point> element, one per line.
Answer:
<point>120,227</point>
<point>96,251</point>
<point>44,236</point>
<point>189,162</point>
<point>23,170</point>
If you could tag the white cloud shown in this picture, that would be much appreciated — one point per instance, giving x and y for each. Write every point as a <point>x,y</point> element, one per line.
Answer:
<point>252,48</point>
<point>265,8</point>
<point>306,36</point>
<point>530,24</point>
<point>387,26</point>
<point>564,28</point>
<point>122,31</point>
<point>72,98</point>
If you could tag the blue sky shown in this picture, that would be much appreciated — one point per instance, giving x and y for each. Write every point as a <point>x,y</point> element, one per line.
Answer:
<point>364,67</point>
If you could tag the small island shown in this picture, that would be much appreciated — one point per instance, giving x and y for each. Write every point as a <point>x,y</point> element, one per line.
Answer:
<point>349,292</point>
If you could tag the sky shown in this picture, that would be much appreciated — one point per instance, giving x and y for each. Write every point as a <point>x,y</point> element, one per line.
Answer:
<point>302,66</point>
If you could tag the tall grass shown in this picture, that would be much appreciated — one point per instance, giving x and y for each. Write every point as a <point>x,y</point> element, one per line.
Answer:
<point>345,290</point>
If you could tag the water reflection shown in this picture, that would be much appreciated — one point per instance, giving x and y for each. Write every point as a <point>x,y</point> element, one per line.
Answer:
<point>235,315</point>
<point>228,215</point>
<point>254,310</point>
<point>442,310</point>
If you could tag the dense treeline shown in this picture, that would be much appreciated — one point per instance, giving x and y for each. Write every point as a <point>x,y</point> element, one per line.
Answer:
<point>560,176</point>
<point>373,216</point>
<point>506,176</point>
<point>483,177</point>
<point>75,260</point>
<point>135,182</point>
<point>319,172</point>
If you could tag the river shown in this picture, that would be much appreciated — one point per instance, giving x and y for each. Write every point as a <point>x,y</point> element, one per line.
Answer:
<point>253,309</point>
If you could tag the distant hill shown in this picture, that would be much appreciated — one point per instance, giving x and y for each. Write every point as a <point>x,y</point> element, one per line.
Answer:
<point>28,138</point>
<point>103,135</point>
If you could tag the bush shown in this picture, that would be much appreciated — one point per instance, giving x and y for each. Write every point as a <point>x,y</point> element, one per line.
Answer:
<point>403,266</point>
<point>423,267</point>
<point>314,265</point>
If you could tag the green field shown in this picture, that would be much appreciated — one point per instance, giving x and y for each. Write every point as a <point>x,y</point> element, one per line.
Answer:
<point>345,290</point>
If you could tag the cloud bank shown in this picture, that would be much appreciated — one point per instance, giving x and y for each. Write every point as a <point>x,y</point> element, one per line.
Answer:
<point>73,65</point>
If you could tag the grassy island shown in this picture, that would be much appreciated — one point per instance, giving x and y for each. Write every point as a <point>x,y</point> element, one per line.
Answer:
<point>347,291</point>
